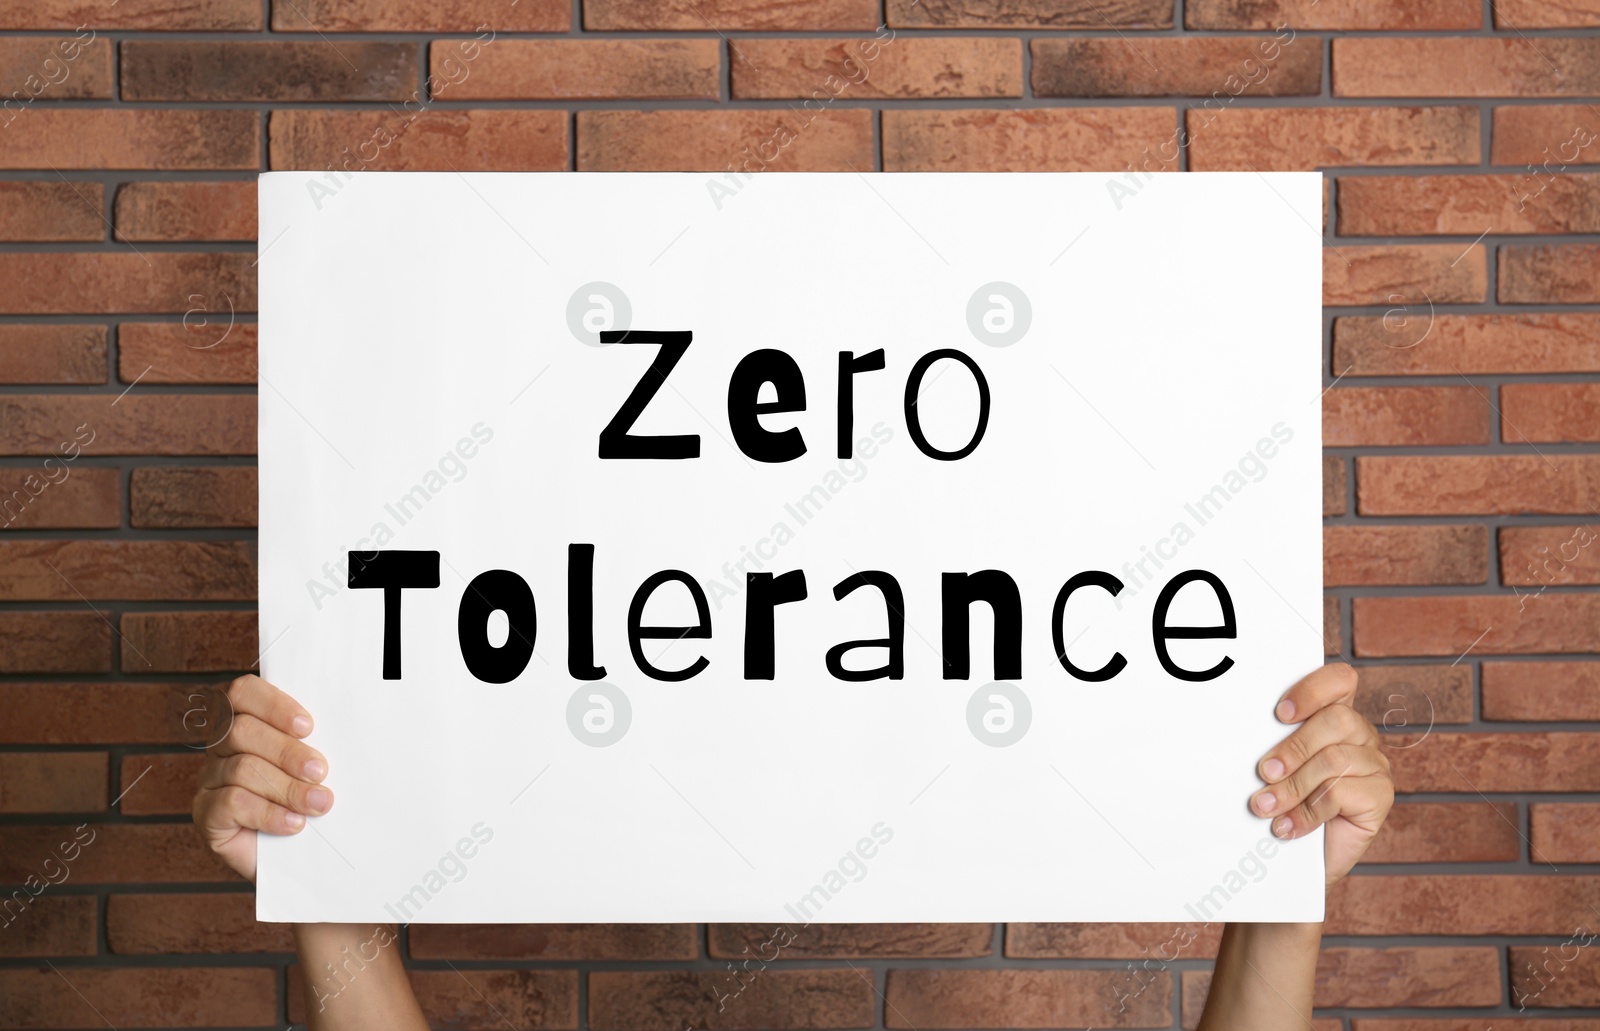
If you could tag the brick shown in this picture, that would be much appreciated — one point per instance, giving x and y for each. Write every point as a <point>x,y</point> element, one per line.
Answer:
<point>1466,344</point>
<point>529,1000</point>
<point>147,424</point>
<point>76,67</point>
<point>64,283</point>
<point>169,497</point>
<point>51,212</point>
<point>1550,136</point>
<point>1332,633</point>
<point>1546,14</point>
<point>1312,14</point>
<point>189,642</point>
<point>556,942</point>
<point>138,997</point>
<point>113,714</point>
<point>147,138</point>
<point>1029,14</point>
<point>118,853</point>
<point>1567,832</point>
<point>54,642</point>
<point>209,347</point>
<point>1562,974</point>
<point>1550,412</point>
<point>1397,555</point>
<point>1333,485</point>
<point>52,782</point>
<point>186,211</point>
<point>1539,556</point>
<point>196,924</point>
<point>163,785</point>
<point>1055,139</point>
<point>542,69</point>
<point>59,496</point>
<point>1175,66</point>
<point>427,141</point>
<point>850,941</point>
<point>310,71</point>
<point>1477,484</point>
<point>926,999</point>
<point>1387,274</point>
<point>1417,416</point>
<point>711,141</point>
<point>1448,626</point>
<point>745,15</point>
<point>778,999</point>
<point>1482,66</point>
<point>1476,1024</point>
<point>1447,832</point>
<point>128,570</point>
<point>928,66</point>
<point>1480,762</point>
<point>1384,977</point>
<point>1197,986</point>
<point>1549,274</point>
<point>1458,904</point>
<point>1411,696</point>
<point>1162,942</point>
<point>52,353</point>
<point>1305,138</point>
<point>1541,691</point>
<point>475,16</point>
<point>141,15</point>
<point>1468,205</point>
<point>52,925</point>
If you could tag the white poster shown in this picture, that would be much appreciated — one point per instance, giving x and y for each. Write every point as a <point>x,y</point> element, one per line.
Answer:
<point>792,547</point>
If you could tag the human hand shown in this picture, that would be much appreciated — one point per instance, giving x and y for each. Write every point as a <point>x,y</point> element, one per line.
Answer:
<point>1330,771</point>
<point>260,777</point>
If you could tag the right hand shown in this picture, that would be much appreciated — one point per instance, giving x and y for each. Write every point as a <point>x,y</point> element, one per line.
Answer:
<point>261,777</point>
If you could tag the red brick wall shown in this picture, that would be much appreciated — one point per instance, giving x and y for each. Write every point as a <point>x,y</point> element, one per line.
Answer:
<point>1461,421</point>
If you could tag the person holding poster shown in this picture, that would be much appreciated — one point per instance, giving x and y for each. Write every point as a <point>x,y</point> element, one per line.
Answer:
<point>1329,772</point>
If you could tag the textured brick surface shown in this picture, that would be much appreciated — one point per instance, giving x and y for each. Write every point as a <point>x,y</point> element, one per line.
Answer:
<point>1460,481</point>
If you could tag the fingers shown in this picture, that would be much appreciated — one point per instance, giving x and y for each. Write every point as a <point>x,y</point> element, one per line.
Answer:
<point>222,812</point>
<point>1333,684</point>
<point>253,696</point>
<point>257,775</point>
<point>1333,725</point>
<point>1364,801</point>
<point>1313,779</point>
<point>251,735</point>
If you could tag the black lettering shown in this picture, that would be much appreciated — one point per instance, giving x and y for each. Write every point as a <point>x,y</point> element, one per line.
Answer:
<point>894,601</point>
<point>958,592</point>
<point>496,590</point>
<point>1088,578</point>
<point>1161,633</point>
<point>580,614</point>
<point>393,571</point>
<point>849,365</point>
<point>914,386</point>
<point>615,440</point>
<point>763,594</point>
<point>744,411</point>
<point>637,633</point>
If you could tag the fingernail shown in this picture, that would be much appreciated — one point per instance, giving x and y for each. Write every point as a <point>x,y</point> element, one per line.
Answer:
<point>301,725</point>
<point>315,769</point>
<point>319,799</point>
<point>1282,826</point>
<point>1285,711</point>
<point>294,820</point>
<point>1265,802</point>
<point>1272,768</point>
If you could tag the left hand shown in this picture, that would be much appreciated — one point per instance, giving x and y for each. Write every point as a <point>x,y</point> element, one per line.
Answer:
<point>1330,771</point>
